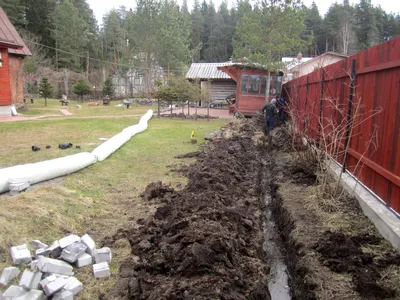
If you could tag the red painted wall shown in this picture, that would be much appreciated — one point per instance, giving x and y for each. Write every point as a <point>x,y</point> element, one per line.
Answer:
<point>5,90</point>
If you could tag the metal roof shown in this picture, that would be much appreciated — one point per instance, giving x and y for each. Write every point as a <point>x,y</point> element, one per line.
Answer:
<point>208,71</point>
<point>9,33</point>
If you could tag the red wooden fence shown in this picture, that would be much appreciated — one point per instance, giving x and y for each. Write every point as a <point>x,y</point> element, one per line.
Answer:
<point>373,154</point>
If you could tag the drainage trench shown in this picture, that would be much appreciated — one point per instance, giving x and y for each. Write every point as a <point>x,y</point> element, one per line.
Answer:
<point>278,281</point>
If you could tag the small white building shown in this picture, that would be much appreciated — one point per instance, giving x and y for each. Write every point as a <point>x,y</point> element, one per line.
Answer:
<point>310,65</point>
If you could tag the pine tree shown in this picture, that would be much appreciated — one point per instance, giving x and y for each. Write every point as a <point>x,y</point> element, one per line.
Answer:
<point>314,25</point>
<point>196,32</point>
<point>45,89</point>
<point>82,88</point>
<point>108,88</point>
<point>70,36</point>
<point>15,12</point>
<point>39,21</point>
<point>173,40</point>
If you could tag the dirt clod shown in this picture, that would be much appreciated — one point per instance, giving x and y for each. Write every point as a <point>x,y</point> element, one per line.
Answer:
<point>156,190</point>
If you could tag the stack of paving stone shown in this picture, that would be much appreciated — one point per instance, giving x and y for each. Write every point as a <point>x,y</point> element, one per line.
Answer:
<point>49,275</point>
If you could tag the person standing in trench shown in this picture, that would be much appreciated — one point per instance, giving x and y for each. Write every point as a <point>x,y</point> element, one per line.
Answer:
<point>270,112</point>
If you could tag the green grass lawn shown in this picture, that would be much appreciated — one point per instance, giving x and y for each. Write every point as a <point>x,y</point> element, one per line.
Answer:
<point>53,109</point>
<point>99,199</point>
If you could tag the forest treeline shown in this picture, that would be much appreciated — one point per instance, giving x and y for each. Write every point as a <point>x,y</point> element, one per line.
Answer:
<point>164,34</point>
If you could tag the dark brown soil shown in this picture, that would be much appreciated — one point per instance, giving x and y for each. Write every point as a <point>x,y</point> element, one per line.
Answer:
<point>316,255</point>
<point>189,155</point>
<point>206,241</point>
<point>343,254</point>
<point>156,190</point>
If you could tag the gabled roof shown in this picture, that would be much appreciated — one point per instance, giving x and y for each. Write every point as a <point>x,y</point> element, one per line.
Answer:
<point>207,71</point>
<point>9,36</point>
<point>318,58</point>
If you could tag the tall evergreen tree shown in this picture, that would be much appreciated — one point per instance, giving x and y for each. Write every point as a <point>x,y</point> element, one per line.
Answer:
<point>314,26</point>
<point>15,12</point>
<point>173,41</point>
<point>70,37</point>
<point>196,32</point>
<point>38,14</point>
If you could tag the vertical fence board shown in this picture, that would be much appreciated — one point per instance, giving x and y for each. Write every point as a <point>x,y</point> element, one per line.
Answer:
<point>377,85</point>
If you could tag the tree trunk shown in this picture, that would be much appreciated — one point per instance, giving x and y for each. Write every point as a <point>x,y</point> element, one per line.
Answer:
<point>267,88</point>
<point>158,100</point>
<point>45,101</point>
<point>66,82</point>
<point>171,108</point>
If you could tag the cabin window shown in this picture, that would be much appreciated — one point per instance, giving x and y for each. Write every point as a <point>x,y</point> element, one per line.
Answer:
<point>245,84</point>
<point>257,85</point>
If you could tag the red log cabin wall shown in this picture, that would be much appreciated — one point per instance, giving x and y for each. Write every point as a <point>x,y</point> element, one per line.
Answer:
<point>248,104</point>
<point>16,77</point>
<point>5,91</point>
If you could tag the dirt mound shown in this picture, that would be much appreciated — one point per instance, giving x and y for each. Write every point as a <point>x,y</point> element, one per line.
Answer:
<point>206,241</point>
<point>156,190</point>
<point>281,139</point>
<point>189,155</point>
<point>343,254</point>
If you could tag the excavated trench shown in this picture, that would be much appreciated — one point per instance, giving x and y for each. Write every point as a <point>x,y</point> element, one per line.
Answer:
<point>278,279</point>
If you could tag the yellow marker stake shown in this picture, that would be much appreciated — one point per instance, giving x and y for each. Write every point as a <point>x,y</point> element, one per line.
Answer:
<point>192,137</point>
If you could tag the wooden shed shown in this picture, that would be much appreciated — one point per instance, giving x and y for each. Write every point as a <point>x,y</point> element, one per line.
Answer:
<point>13,51</point>
<point>251,87</point>
<point>219,84</point>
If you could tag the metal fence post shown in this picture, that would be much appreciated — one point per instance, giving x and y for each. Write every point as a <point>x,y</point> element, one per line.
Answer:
<point>320,101</point>
<point>305,104</point>
<point>349,112</point>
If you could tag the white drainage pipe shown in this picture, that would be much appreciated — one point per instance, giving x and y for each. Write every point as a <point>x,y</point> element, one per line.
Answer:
<point>49,169</point>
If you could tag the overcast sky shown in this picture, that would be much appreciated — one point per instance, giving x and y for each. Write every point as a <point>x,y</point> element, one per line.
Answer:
<point>100,7</point>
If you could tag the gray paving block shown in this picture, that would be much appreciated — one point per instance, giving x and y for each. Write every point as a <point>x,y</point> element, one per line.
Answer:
<point>103,255</point>
<point>101,270</point>
<point>49,265</point>
<point>13,292</point>
<point>42,252</point>
<point>63,295</point>
<point>83,260</point>
<point>32,295</point>
<point>53,284</point>
<point>30,280</point>
<point>74,285</point>
<point>33,265</point>
<point>20,254</point>
<point>54,250</point>
<point>90,244</point>
<point>8,274</point>
<point>73,251</point>
<point>38,244</point>
<point>68,240</point>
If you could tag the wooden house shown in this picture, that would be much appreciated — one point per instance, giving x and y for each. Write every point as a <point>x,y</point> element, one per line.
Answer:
<point>12,53</point>
<point>251,87</point>
<point>219,84</point>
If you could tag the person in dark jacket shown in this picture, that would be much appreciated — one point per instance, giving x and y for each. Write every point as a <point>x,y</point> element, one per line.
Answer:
<point>270,112</point>
<point>281,108</point>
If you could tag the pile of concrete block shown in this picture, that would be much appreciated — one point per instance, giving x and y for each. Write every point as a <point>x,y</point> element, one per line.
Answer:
<point>49,272</point>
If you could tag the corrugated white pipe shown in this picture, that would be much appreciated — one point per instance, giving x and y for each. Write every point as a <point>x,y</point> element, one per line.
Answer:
<point>45,170</point>
<point>49,169</point>
<point>6,173</point>
<point>107,148</point>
